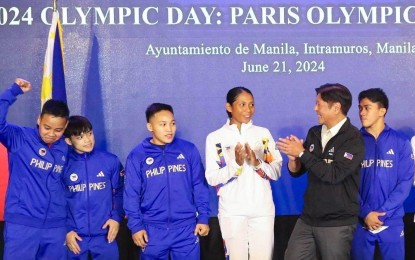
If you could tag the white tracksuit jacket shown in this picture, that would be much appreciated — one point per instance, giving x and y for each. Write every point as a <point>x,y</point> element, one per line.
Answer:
<point>242,190</point>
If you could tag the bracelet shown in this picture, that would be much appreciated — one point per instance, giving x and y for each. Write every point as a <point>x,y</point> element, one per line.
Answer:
<point>256,168</point>
<point>262,174</point>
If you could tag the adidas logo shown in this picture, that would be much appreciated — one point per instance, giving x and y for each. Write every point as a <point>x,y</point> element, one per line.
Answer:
<point>331,150</point>
<point>181,156</point>
<point>390,152</point>
<point>100,174</point>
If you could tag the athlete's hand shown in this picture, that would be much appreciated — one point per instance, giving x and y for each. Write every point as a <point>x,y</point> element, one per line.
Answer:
<point>114,226</point>
<point>140,238</point>
<point>372,220</point>
<point>71,242</point>
<point>24,85</point>
<point>202,230</point>
<point>250,156</point>
<point>240,154</point>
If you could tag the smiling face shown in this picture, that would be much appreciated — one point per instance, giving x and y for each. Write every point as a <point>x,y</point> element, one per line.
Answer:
<point>242,109</point>
<point>326,112</point>
<point>51,127</point>
<point>163,127</point>
<point>371,114</point>
<point>83,143</point>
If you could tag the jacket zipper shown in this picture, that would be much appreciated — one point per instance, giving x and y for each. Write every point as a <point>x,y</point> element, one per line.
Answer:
<point>50,196</point>
<point>87,194</point>
<point>168,191</point>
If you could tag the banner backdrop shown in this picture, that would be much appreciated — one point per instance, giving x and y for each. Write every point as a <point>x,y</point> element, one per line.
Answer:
<point>120,56</point>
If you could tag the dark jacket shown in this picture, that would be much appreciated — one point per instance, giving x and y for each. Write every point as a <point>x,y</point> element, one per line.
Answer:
<point>331,197</point>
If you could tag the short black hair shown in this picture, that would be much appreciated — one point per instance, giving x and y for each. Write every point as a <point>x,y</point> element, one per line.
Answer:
<point>55,108</point>
<point>335,92</point>
<point>233,94</point>
<point>77,125</point>
<point>155,108</point>
<point>375,95</point>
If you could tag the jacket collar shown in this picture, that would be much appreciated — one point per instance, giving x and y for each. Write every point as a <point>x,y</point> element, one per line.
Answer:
<point>79,156</point>
<point>150,147</point>
<point>233,127</point>
<point>346,125</point>
<point>365,132</point>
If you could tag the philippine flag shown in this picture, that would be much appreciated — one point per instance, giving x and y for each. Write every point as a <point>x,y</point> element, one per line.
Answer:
<point>348,155</point>
<point>53,83</point>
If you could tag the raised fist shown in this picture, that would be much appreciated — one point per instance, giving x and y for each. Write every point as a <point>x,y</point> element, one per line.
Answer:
<point>23,84</point>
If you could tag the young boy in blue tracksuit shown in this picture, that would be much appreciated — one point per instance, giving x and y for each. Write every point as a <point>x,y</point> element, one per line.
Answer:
<point>35,210</point>
<point>94,186</point>
<point>166,196</point>
<point>386,179</point>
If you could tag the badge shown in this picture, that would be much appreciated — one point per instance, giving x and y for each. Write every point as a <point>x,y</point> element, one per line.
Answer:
<point>73,177</point>
<point>42,151</point>
<point>311,149</point>
<point>149,161</point>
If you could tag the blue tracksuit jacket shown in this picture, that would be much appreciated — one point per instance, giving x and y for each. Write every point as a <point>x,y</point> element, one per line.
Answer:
<point>386,176</point>
<point>94,186</point>
<point>35,195</point>
<point>165,187</point>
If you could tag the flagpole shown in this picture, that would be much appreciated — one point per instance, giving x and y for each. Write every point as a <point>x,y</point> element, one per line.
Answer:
<point>55,5</point>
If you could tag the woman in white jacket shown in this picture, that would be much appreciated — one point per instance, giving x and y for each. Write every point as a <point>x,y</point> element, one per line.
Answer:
<point>241,159</point>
